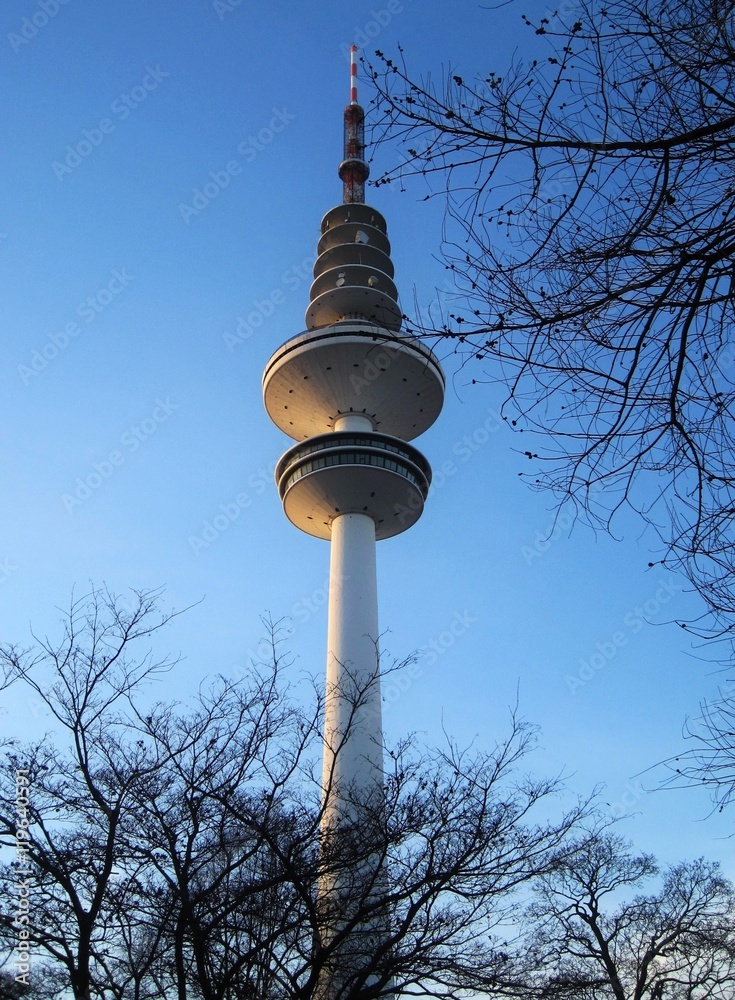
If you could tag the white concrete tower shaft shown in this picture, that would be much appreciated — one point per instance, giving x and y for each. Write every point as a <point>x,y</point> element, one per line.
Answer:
<point>353,737</point>
<point>351,391</point>
<point>353,751</point>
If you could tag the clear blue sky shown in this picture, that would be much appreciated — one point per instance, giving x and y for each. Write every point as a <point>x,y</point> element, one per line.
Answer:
<point>137,319</point>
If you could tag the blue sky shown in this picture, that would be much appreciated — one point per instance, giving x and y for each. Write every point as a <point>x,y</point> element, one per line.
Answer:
<point>165,170</point>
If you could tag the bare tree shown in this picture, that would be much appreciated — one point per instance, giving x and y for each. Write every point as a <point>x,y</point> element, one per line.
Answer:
<point>590,233</point>
<point>211,826</point>
<point>455,841</point>
<point>44,983</point>
<point>234,834</point>
<point>175,850</point>
<point>708,757</point>
<point>676,942</point>
<point>78,796</point>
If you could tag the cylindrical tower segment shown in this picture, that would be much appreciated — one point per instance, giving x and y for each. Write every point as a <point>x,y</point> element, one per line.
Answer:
<point>353,754</point>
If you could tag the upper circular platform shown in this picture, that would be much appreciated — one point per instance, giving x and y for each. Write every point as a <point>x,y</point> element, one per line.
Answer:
<point>353,367</point>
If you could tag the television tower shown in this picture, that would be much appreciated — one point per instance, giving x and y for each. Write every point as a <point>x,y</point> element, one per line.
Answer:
<point>352,391</point>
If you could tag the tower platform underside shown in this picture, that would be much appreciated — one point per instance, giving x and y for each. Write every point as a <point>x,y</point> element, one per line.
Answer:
<point>353,367</point>
<point>353,473</point>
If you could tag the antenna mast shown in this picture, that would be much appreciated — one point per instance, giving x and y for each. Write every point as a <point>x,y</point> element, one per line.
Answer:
<point>354,170</point>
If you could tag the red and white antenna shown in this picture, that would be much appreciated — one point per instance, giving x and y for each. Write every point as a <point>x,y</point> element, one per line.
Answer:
<point>353,74</point>
<point>353,170</point>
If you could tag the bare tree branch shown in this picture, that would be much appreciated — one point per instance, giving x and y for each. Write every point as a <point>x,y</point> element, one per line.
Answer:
<point>590,234</point>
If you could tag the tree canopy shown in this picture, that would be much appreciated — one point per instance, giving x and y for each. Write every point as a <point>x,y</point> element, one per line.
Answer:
<point>174,849</point>
<point>590,234</point>
<point>609,924</point>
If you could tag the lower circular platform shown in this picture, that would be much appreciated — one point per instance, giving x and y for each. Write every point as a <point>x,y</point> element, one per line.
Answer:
<point>349,472</point>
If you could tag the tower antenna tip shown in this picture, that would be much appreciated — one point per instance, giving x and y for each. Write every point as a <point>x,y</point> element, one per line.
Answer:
<point>353,74</point>
<point>353,170</point>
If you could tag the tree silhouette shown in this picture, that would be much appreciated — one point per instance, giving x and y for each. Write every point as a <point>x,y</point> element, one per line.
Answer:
<point>174,849</point>
<point>675,942</point>
<point>590,234</point>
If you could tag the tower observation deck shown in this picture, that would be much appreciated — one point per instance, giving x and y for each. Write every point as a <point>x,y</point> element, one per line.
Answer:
<point>352,391</point>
